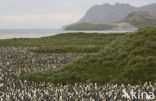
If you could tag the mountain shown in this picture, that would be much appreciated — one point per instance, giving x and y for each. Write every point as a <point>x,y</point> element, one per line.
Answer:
<point>134,20</point>
<point>150,8</point>
<point>141,19</point>
<point>107,13</point>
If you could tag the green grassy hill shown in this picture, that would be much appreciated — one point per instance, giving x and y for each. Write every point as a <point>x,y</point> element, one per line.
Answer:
<point>89,26</point>
<point>128,59</point>
<point>141,19</point>
<point>64,43</point>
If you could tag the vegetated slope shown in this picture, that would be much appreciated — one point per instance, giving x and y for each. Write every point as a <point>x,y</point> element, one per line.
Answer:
<point>89,26</point>
<point>120,26</point>
<point>141,19</point>
<point>64,43</point>
<point>129,59</point>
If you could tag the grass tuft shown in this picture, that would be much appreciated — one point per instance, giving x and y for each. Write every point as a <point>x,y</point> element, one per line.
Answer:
<point>128,59</point>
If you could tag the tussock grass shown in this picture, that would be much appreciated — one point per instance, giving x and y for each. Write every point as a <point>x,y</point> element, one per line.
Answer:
<point>89,26</point>
<point>128,59</point>
<point>64,43</point>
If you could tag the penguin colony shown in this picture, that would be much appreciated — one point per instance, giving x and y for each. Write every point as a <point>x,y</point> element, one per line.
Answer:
<point>16,61</point>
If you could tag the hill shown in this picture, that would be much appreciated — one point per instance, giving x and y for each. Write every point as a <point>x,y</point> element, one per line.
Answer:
<point>128,59</point>
<point>120,26</point>
<point>108,13</point>
<point>64,43</point>
<point>89,26</point>
<point>141,19</point>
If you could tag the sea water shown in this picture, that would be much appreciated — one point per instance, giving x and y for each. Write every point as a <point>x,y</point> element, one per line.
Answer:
<point>37,33</point>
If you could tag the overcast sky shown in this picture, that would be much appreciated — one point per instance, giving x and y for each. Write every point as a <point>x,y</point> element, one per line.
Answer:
<point>49,13</point>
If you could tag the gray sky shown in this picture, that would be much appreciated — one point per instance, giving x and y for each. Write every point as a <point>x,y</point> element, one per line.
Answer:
<point>49,13</point>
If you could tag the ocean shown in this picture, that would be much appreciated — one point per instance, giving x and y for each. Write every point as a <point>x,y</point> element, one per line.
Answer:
<point>37,33</point>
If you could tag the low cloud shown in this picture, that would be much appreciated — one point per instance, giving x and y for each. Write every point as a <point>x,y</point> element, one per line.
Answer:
<point>40,21</point>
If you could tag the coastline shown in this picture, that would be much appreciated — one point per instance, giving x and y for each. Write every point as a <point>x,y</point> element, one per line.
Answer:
<point>33,33</point>
<point>17,59</point>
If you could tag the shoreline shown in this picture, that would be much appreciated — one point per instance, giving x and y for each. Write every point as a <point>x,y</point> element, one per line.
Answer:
<point>35,35</point>
<point>17,60</point>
